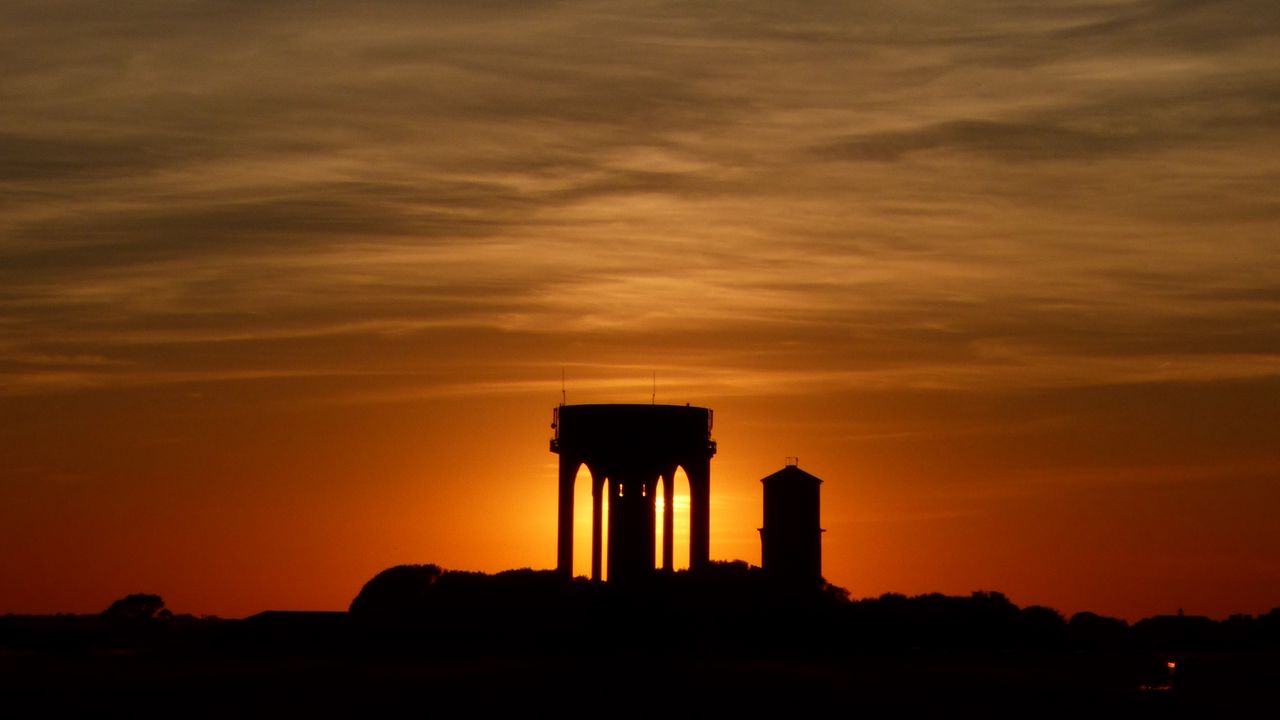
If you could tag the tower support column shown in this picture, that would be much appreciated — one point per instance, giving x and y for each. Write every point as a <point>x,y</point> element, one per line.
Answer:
<point>597,527</point>
<point>668,521</point>
<point>564,537</point>
<point>699,473</point>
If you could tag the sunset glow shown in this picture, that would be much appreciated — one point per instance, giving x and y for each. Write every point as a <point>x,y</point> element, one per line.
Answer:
<point>287,290</point>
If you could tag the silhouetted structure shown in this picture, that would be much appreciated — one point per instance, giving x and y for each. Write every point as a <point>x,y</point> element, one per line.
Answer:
<point>791,539</point>
<point>629,448</point>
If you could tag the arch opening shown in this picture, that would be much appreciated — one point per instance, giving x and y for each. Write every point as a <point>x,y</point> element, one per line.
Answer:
<point>582,521</point>
<point>680,518</point>
<point>659,522</point>
<point>605,503</point>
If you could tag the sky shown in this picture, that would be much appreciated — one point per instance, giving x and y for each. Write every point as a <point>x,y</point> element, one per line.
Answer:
<point>287,289</point>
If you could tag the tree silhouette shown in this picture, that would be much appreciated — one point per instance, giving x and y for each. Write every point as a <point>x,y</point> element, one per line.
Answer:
<point>397,592</point>
<point>137,607</point>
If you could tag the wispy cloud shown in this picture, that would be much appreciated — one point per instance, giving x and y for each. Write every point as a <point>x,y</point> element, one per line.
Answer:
<point>901,181</point>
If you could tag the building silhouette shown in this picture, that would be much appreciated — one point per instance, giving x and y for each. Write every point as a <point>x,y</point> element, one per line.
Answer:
<point>791,539</point>
<point>628,449</point>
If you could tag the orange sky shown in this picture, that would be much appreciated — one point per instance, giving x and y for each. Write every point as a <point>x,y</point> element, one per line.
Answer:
<point>286,291</point>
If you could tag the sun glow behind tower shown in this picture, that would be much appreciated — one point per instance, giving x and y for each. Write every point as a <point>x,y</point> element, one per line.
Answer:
<point>629,450</point>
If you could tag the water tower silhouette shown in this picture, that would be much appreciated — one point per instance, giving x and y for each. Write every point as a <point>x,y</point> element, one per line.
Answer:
<point>791,539</point>
<point>628,449</point>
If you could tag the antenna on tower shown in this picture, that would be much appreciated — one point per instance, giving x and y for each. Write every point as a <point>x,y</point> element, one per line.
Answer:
<point>653,400</point>
<point>563,396</point>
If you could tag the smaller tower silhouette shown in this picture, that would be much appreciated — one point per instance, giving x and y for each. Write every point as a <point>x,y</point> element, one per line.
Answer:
<point>791,539</point>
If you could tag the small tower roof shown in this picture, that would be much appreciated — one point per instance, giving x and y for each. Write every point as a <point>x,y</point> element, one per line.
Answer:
<point>789,474</point>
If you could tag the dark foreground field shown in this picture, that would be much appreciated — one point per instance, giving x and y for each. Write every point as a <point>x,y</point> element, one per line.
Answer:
<point>226,683</point>
<point>328,665</point>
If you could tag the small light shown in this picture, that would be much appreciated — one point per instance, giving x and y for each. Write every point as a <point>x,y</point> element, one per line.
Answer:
<point>1171,664</point>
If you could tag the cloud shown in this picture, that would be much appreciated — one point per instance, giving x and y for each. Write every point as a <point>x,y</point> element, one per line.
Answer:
<point>997,140</point>
<point>875,193</point>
